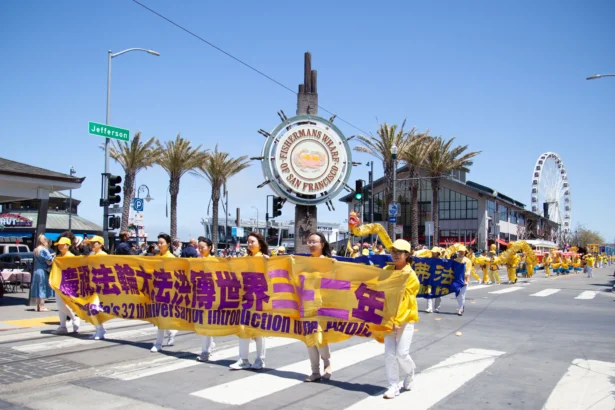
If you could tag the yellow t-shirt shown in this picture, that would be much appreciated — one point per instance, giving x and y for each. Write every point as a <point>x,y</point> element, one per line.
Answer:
<point>169,254</point>
<point>68,254</point>
<point>408,311</point>
<point>101,253</point>
<point>466,262</point>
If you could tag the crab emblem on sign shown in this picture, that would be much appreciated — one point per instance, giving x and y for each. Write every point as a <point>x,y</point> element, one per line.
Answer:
<point>306,159</point>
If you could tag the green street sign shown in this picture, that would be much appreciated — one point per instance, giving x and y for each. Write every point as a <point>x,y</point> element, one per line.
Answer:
<point>108,131</point>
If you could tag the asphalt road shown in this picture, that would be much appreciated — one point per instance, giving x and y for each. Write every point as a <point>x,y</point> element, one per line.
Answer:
<point>542,343</point>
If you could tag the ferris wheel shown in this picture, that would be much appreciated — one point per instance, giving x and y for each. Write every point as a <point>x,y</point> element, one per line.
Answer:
<point>551,190</point>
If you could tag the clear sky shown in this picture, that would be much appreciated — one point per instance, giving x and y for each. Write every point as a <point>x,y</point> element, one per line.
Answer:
<point>507,78</point>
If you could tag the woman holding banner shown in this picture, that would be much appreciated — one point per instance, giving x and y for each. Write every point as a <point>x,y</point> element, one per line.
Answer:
<point>257,247</point>
<point>63,244</point>
<point>319,248</point>
<point>397,343</point>
<point>164,242</point>
<point>96,244</point>
<point>205,248</point>
<point>435,254</point>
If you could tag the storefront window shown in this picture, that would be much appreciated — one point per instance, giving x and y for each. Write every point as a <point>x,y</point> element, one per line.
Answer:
<point>503,210</point>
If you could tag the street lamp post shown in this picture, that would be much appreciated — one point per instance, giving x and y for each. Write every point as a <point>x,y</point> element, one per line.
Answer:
<point>112,55</point>
<point>394,151</point>
<point>597,76</point>
<point>256,217</point>
<point>70,202</point>
<point>371,196</point>
<point>147,199</point>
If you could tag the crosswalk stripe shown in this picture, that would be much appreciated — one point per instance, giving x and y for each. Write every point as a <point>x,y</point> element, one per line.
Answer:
<point>436,382</point>
<point>251,388</point>
<point>545,292</point>
<point>147,368</point>
<point>588,294</point>
<point>507,290</point>
<point>586,384</point>
<point>65,342</point>
<point>477,287</point>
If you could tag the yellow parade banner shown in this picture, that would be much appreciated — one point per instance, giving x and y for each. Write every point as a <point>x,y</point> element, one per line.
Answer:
<point>315,300</point>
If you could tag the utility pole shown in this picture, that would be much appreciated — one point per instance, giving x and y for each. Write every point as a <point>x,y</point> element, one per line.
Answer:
<point>70,202</point>
<point>306,220</point>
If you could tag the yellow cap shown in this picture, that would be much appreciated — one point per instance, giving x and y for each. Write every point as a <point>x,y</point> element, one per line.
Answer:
<point>63,241</point>
<point>281,249</point>
<point>402,245</point>
<point>356,247</point>
<point>96,238</point>
<point>436,249</point>
<point>462,249</point>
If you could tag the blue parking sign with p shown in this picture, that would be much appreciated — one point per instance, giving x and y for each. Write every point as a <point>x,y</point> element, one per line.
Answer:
<point>137,204</point>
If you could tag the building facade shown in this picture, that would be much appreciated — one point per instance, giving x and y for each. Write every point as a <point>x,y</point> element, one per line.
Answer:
<point>469,212</point>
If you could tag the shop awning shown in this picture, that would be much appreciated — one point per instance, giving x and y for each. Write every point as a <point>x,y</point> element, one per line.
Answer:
<point>501,241</point>
<point>7,234</point>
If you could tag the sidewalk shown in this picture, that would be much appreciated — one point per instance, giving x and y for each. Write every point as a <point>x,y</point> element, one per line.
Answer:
<point>16,315</point>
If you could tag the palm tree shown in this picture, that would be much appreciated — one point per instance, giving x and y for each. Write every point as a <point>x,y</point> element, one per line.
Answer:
<point>380,147</point>
<point>218,168</point>
<point>133,157</point>
<point>415,157</point>
<point>177,158</point>
<point>441,161</point>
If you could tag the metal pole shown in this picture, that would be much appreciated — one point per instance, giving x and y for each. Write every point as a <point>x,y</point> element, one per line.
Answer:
<point>106,174</point>
<point>394,193</point>
<point>371,197</point>
<point>70,202</point>
<point>226,223</point>
<point>135,220</point>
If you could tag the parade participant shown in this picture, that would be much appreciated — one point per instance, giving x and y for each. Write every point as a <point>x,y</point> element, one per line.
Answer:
<point>365,251</point>
<point>319,248</point>
<point>63,244</point>
<point>484,265</point>
<point>355,252</point>
<point>461,295</point>
<point>164,242</point>
<point>547,264</point>
<point>257,247</point>
<point>281,250</point>
<point>472,258</point>
<point>511,269</point>
<point>397,343</point>
<point>39,286</point>
<point>380,249</point>
<point>494,274</point>
<point>206,249</point>
<point>590,265</point>
<point>96,245</point>
<point>435,254</point>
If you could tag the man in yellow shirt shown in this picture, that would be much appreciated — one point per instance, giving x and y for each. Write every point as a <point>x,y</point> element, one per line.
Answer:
<point>590,265</point>
<point>461,296</point>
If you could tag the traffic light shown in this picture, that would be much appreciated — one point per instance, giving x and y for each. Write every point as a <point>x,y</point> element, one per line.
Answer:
<point>113,189</point>
<point>277,206</point>
<point>115,222</point>
<point>358,189</point>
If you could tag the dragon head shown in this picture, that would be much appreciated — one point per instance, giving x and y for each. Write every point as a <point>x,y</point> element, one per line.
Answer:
<point>353,219</point>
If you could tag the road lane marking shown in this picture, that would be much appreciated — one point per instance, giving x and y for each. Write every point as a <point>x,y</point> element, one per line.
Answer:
<point>436,382</point>
<point>586,384</point>
<point>477,287</point>
<point>147,368</point>
<point>545,292</point>
<point>588,294</point>
<point>507,290</point>
<point>251,388</point>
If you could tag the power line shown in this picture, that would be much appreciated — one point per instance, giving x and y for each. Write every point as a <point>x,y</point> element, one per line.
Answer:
<point>239,60</point>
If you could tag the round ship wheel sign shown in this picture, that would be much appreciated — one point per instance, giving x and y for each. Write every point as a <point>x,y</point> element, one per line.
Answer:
<point>307,160</point>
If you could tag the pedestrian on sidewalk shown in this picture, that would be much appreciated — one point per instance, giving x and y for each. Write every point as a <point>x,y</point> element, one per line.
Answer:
<point>397,343</point>
<point>39,285</point>
<point>164,242</point>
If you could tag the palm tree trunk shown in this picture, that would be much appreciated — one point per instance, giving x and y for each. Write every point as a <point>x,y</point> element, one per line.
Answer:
<point>215,201</point>
<point>414,208</point>
<point>129,186</point>
<point>174,188</point>
<point>435,189</point>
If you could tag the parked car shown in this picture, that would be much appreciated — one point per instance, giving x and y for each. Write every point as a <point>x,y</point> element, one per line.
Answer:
<point>13,248</point>
<point>17,260</point>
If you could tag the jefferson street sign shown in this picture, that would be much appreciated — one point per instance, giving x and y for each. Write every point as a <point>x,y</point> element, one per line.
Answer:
<point>108,131</point>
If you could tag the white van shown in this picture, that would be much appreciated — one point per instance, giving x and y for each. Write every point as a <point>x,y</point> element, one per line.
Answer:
<point>13,248</point>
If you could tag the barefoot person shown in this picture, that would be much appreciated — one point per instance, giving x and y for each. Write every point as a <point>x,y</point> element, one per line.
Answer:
<point>397,343</point>
<point>164,242</point>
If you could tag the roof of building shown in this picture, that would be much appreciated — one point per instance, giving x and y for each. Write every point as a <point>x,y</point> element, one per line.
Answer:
<point>9,167</point>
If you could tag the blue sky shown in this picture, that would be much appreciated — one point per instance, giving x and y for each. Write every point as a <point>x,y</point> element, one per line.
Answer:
<point>507,78</point>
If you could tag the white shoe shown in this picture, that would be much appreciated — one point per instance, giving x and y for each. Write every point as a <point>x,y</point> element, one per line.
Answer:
<point>60,331</point>
<point>391,393</point>
<point>429,310</point>
<point>155,348</point>
<point>408,381</point>
<point>258,364</point>
<point>76,324</point>
<point>241,365</point>
<point>204,357</point>
<point>98,335</point>
<point>171,341</point>
<point>437,310</point>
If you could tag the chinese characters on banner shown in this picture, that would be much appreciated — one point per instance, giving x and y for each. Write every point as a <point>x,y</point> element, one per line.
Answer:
<point>310,299</point>
<point>438,277</point>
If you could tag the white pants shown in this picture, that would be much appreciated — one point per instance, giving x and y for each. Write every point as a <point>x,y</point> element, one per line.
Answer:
<point>315,354</point>
<point>64,311</point>
<point>461,298</point>
<point>397,353</point>
<point>430,303</point>
<point>208,345</point>
<point>100,330</point>
<point>244,348</point>
<point>160,336</point>
<point>590,272</point>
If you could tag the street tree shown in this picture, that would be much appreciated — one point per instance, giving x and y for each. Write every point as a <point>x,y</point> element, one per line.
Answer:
<point>133,157</point>
<point>441,161</point>
<point>178,157</point>
<point>218,168</point>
